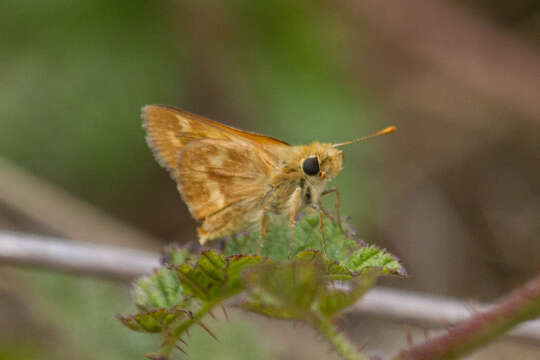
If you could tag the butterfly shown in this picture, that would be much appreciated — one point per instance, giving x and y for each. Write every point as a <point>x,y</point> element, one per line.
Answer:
<point>233,180</point>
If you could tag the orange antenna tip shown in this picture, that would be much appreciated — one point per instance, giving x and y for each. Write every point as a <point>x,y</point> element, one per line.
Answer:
<point>386,130</point>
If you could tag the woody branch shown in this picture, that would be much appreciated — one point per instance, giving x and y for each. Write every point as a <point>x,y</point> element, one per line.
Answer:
<point>521,304</point>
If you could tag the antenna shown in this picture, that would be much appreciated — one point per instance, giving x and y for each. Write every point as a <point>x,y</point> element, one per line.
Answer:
<point>384,131</point>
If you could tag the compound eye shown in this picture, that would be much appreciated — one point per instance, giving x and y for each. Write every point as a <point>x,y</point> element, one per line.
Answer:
<point>311,166</point>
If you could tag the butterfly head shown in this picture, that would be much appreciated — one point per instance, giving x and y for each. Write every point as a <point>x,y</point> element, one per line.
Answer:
<point>321,162</point>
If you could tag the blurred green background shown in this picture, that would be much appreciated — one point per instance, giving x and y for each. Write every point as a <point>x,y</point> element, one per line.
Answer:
<point>454,193</point>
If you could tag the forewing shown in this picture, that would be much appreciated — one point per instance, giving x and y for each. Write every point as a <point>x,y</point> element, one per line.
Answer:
<point>214,174</point>
<point>169,130</point>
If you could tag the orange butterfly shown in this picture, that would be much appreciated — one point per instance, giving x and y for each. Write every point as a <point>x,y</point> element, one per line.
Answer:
<point>232,179</point>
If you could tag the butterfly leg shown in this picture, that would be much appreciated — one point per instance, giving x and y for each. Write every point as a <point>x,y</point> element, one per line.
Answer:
<point>294,199</point>
<point>338,214</point>
<point>262,233</point>
<point>322,212</point>
<point>321,227</point>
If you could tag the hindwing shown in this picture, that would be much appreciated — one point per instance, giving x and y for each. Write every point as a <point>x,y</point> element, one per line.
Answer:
<point>214,174</point>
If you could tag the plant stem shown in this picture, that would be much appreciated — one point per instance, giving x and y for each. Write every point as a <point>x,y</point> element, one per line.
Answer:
<point>169,343</point>
<point>338,340</point>
<point>521,305</point>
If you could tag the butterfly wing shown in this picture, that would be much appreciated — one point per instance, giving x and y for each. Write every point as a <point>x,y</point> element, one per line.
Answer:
<point>224,184</point>
<point>169,130</point>
<point>222,173</point>
<point>214,174</point>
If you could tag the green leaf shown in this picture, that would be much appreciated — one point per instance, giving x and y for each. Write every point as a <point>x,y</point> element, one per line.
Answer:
<point>214,277</point>
<point>175,255</point>
<point>153,321</point>
<point>373,257</point>
<point>337,298</point>
<point>267,306</point>
<point>207,282</point>
<point>307,236</point>
<point>180,296</point>
<point>161,289</point>
<point>344,259</point>
<point>294,285</point>
<point>286,291</point>
<point>309,284</point>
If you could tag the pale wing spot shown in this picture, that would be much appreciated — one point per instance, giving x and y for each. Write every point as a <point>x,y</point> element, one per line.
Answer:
<point>174,139</point>
<point>217,199</point>
<point>184,124</point>
<point>217,160</point>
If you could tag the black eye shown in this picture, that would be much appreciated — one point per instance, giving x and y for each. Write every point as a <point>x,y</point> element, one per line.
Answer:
<point>311,166</point>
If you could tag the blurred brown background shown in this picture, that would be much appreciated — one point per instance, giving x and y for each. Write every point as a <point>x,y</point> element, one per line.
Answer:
<point>454,193</point>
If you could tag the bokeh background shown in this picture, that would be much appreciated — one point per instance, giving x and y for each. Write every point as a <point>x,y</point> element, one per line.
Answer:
<point>455,193</point>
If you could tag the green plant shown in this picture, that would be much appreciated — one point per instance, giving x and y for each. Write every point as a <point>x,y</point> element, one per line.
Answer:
<point>311,286</point>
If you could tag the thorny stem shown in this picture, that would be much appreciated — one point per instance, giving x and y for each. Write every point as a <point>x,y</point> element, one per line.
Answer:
<point>338,340</point>
<point>521,305</point>
<point>168,345</point>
